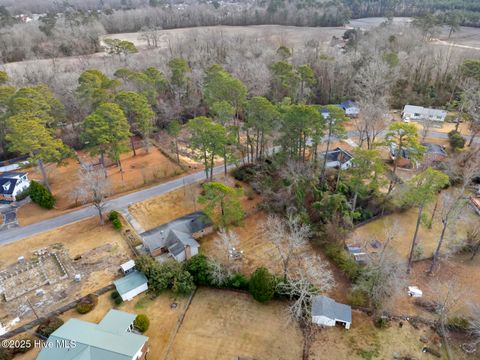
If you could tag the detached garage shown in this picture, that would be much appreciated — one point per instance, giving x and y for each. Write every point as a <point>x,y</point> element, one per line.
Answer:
<point>131,285</point>
<point>327,312</point>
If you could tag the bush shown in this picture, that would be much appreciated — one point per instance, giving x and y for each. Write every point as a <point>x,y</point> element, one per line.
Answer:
<point>49,326</point>
<point>117,224</point>
<point>244,173</point>
<point>142,322</point>
<point>40,195</point>
<point>23,194</point>
<point>87,304</point>
<point>238,281</point>
<point>381,322</point>
<point>458,323</point>
<point>5,354</point>
<point>113,215</point>
<point>114,295</point>
<point>262,285</point>
<point>343,260</point>
<point>23,343</point>
<point>456,140</point>
<point>183,283</point>
<point>357,298</point>
<point>198,267</point>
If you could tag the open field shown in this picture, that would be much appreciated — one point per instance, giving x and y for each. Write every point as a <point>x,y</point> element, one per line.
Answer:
<point>99,251</point>
<point>226,325</point>
<point>141,170</point>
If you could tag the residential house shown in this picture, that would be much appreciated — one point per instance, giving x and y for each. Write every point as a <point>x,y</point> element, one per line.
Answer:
<point>351,108</point>
<point>339,159</point>
<point>12,184</point>
<point>177,238</point>
<point>433,153</point>
<point>110,339</point>
<point>327,312</point>
<point>419,113</point>
<point>132,284</point>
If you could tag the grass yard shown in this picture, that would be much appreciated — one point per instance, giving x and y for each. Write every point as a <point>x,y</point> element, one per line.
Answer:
<point>141,170</point>
<point>258,251</point>
<point>365,342</point>
<point>167,207</point>
<point>226,324</point>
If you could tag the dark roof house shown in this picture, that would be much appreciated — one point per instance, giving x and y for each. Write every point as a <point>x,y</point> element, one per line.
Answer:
<point>338,158</point>
<point>12,184</point>
<point>178,235</point>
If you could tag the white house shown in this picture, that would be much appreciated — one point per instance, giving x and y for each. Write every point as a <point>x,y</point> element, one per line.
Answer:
<point>351,109</point>
<point>327,312</point>
<point>131,285</point>
<point>419,113</point>
<point>12,184</point>
<point>128,267</point>
<point>338,159</point>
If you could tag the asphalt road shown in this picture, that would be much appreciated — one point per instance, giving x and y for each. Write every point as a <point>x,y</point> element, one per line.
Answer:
<point>14,234</point>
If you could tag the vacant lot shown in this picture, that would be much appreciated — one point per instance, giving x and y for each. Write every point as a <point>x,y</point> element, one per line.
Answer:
<point>141,170</point>
<point>101,248</point>
<point>165,208</point>
<point>365,341</point>
<point>227,325</point>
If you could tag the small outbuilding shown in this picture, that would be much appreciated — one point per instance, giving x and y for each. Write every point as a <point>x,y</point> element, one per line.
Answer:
<point>327,312</point>
<point>128,267</point>
<point>131,285</point>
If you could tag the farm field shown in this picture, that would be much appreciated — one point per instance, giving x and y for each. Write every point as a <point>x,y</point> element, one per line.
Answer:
<point>99,251</point>
<point>139,171</point>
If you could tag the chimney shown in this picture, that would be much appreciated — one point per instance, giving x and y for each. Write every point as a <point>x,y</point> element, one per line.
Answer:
<point>188,252</point>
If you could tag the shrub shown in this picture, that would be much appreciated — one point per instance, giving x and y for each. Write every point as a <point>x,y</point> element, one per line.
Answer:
<point>262,285</point>
<point>381,322</point>
<point>238,281</point>
<point>357,298</point>
<point>40,195</point>
<point>183,283</point>
<point>244,173</point>
<point>117,224</point>
<point>23,343</point>
<point>118,300</point>
<point>343,260</point>
<point>49,326</point>
<point>23,194</point>
<point>198,267</point>
<point>5,354</point>
<point>456,140</point>
<point>459,323</point>
<point>87,304</point>
<point>114,295</point>
<point>142,322</point>
<point>113,215</point>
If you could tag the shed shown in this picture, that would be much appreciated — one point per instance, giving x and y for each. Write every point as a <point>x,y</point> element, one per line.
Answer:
<point>131,285</point>
<point>327,312</point>
<point>128,267</point>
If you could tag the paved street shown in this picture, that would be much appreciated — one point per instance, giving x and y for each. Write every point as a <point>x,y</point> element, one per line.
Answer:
<point>122,202</point>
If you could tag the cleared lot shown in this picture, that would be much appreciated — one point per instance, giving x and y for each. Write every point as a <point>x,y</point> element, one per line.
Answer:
<point>227,325</point>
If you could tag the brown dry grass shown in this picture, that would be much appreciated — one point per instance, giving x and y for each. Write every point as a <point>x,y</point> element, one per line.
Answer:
<point>364,341</point>
<point>167,207</point>
<point>141,170</point>
<point>163,319</point>
<point>226,324</point>
<point>77,238</point>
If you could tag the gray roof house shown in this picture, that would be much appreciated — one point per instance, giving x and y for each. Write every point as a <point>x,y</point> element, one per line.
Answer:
<point>327,312</point>
<point>111,339</point>
<point>178,237</point>
<point>412,112</point>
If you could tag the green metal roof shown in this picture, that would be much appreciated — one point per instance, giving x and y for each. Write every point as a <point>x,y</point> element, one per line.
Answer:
<point>94,342</point>
<point>130,281</point>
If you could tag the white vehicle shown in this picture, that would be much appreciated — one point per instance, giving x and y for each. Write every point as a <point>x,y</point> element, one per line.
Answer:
<point>414,291</point>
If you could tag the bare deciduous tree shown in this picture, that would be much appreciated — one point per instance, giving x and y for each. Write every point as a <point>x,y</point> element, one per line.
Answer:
<point>93,188</point>
<point>287,236</point>
<point>226,241</point>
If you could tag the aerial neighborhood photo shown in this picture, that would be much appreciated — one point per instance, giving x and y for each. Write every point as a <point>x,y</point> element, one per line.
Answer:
<point>240,179</point>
